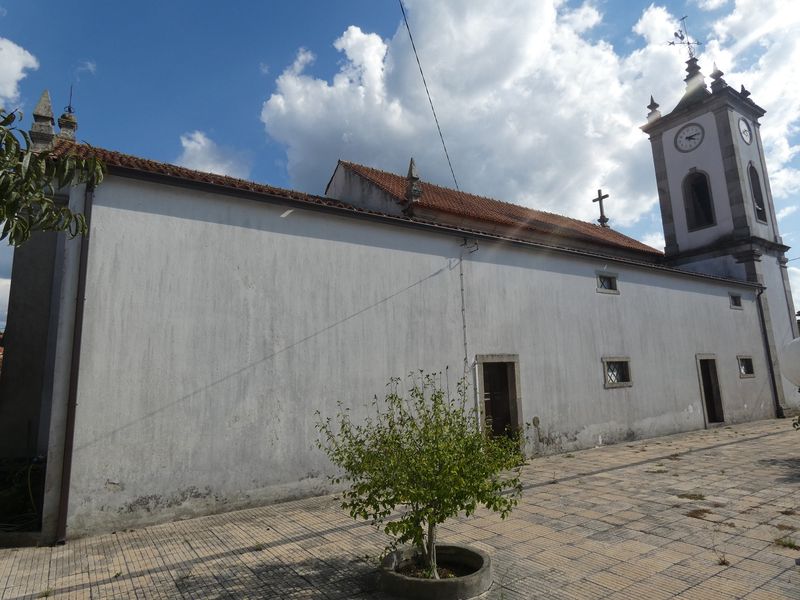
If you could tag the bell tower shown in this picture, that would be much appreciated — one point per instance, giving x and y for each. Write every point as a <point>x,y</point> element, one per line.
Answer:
<point>716,203</point>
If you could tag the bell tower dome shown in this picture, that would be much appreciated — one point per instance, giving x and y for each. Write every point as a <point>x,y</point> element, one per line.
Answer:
<point>715,199</point>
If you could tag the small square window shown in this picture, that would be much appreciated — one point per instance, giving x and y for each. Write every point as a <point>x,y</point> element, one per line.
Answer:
<point>617,372</point>
<point>607,283</point>
<point>746,366</point>
<point>736,301</point>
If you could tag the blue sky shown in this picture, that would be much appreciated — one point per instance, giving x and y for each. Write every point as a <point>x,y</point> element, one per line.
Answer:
<point>540,101</point>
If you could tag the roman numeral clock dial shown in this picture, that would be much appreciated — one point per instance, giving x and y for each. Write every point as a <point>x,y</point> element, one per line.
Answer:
<point>689,137</point>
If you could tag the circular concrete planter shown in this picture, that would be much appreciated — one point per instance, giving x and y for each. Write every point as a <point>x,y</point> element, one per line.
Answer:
<point>474,584</point>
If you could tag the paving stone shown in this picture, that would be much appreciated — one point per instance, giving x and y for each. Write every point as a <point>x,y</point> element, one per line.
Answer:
<point>610,528</point>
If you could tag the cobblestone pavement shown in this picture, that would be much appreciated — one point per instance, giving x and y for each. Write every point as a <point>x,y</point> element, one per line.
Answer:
<point>708,514</point>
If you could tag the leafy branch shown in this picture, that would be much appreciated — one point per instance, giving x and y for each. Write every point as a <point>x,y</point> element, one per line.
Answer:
<point>29,181</point>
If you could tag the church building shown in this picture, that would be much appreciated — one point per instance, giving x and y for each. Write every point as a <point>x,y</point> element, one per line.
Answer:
<point>172,362</point>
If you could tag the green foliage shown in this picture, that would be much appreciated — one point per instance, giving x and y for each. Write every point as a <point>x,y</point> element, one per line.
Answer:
<point>28,181</point>
<point>422,455</point>
<point>786,542</point>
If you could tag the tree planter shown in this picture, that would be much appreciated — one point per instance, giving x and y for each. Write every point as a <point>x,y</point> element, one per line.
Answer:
<point>460,557</point>
<point>414,462</point>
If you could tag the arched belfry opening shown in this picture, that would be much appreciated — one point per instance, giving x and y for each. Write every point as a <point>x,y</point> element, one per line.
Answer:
<point>758,196</point>
<point>697,200</point>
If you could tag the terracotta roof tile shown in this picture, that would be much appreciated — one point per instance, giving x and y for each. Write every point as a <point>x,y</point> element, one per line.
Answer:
<point>440,198</point>
<point>126,161</point>
<point>479,208</point>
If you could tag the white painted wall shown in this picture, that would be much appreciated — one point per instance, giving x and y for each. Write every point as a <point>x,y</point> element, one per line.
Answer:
<point>345,185</point>
<point>720,266</point>
<point>215,328</point>
<point>781,316</point>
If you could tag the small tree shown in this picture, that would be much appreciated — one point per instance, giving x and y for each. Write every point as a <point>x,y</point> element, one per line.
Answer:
<point>28,181</point>
<point>424,456</point>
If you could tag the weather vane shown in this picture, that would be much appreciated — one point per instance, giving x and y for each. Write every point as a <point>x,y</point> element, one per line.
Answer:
<point>682,39</point>
<point>68,108</point>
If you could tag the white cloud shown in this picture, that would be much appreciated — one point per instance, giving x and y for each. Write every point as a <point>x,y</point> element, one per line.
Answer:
<point>87,66</point>
<point>5,287</point>
<point>582,18</point>
<point>14,61</point>
<point>794,283</point>
<point>654,239</point>
<point>764,55</point>
<point>710,4</point>
<point>202,154</point>
<point>533,109</point>
<point>3,11</point>
<point>786,211</point>
<point>263,68</point>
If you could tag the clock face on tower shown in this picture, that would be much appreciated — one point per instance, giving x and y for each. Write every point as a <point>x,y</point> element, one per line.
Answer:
<point>689,137</point>
<point>745,131</point>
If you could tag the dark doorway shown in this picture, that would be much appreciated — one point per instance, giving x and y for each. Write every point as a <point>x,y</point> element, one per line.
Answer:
<point>711,395</point>
<point>499,397</point>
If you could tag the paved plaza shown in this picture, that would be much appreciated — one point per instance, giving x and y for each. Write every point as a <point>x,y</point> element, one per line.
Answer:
<point>708,514</point>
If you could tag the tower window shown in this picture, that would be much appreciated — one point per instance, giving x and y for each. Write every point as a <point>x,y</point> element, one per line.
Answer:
<point>758,197</point>
<point>698,202</point>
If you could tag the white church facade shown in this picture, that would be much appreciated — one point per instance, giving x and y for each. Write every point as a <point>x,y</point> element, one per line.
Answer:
<point>181,350</point>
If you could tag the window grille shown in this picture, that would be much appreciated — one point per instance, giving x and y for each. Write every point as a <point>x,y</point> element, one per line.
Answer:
<point>607,283</point>
<point>617,372</point>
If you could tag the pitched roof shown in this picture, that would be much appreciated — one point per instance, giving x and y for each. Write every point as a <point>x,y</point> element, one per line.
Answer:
<point>114,159</point>
<point>440,198</point>
<point>480,208</point>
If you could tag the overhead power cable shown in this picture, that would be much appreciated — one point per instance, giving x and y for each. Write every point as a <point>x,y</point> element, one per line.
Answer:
<point>425,83</point>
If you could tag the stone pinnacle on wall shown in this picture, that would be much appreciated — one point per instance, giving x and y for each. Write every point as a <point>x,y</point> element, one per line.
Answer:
<point>413,187</point>
<point>42,132</point>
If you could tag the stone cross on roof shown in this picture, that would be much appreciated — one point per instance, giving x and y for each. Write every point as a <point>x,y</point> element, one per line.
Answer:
<point>603,220</point>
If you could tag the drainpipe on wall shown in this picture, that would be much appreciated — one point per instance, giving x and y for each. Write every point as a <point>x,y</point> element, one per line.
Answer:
<point>72,397</point>
<point>765,338</point>
<point>467,365</point>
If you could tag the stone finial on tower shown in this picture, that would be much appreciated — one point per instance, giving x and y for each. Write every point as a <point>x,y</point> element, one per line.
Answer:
<point>696,89</point>
<point>744,93</point>
<point>42,131</point>
<point>718,82</point>
<point>654,112</point>
<point>413,187</point>
<point>694,78</point>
